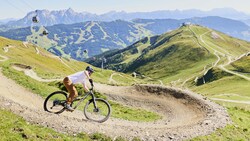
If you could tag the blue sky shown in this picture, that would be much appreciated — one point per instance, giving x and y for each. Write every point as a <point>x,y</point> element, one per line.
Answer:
<point>19,8</point>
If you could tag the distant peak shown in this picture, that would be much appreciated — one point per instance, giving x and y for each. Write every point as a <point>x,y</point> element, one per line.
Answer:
<point>70,10</point>
<point>42,10</point>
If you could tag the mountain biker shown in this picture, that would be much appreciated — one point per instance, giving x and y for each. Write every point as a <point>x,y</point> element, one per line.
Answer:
<point>79,77</point>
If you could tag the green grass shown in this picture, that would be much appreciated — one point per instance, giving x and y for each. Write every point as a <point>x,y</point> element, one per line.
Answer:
<point>192,71</point>
<point>14,127</point>
<point>170,69</point>
<point>43,63</point>
<point>227,85</point>
<point>133,114</point>
<point>124,79</point>
<point>129,57</point>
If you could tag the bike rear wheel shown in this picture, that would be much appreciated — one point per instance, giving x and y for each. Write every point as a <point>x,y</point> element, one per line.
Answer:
<point>54,103</point>
<point>99,114</point>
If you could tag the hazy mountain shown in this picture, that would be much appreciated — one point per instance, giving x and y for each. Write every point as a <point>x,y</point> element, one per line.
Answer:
<point>176,14</point>
<point>48,18</point>
<point>227,13</point>
<point>83,40</point>
<point>233,28</point>
<point>247,22</point>
<point>4,21</point>
<point>69,16</point>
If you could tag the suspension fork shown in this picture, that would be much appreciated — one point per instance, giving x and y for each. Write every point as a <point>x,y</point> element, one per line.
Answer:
<point>93,97</point>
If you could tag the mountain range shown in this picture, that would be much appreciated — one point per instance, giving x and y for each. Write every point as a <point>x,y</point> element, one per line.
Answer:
<point>247,22</point>
<point>231,27</point>
<point>69,16</point>
<point>4,21</point>
<point>86,39</point>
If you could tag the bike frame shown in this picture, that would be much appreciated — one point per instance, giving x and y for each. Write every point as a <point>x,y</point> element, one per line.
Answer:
<point>83,98</point>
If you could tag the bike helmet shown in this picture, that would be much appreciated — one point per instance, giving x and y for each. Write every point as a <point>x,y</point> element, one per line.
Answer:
<point>90,69</point>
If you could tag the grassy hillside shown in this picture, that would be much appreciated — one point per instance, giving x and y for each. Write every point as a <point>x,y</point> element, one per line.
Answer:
<point>176,56</point>
<point>14,127</point>
<point>50,66</point>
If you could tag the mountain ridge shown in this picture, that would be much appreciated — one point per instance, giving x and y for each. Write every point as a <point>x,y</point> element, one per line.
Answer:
<point>69,16</point>
<point>86,39</point>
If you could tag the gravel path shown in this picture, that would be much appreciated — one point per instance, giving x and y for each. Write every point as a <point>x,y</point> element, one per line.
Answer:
<point>232,101</point>
<point>3,58</point>
<point>185,114</point>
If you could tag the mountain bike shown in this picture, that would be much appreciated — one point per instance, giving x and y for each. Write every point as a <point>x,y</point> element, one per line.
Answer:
<point>96,109</point>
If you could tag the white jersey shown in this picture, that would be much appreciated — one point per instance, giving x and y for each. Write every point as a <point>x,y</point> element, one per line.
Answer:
<point>78,77</point>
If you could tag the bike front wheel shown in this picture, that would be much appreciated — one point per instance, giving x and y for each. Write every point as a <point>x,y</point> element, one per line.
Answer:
<point>99,112</point>
<point>54,103</point>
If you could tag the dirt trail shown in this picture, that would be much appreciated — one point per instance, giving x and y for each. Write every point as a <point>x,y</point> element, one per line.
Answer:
<point>185,114</point>
<point>232,101</point>
<point>26,44</point>
<point>232,94</point>
<point>3,58</point>
<point>32,74</point>
<point>234,73</point>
